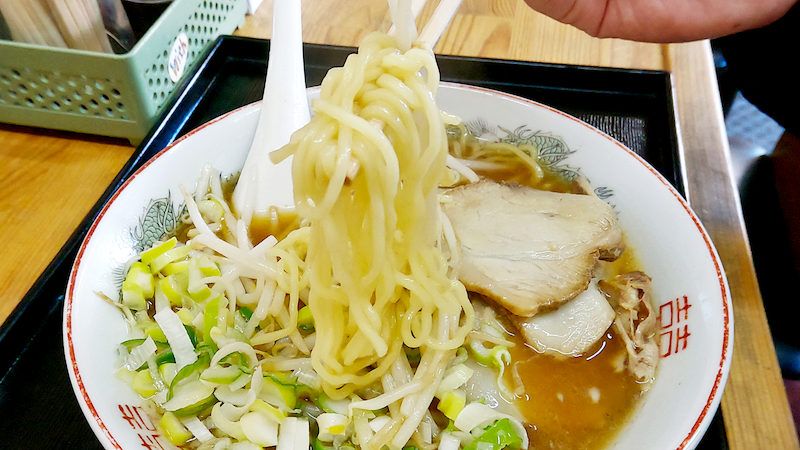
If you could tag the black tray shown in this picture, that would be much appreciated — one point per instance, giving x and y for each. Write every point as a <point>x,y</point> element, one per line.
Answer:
<point>37,405</point>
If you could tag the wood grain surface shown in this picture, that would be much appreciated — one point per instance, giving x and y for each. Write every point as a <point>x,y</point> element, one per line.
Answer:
<point>49,180</point>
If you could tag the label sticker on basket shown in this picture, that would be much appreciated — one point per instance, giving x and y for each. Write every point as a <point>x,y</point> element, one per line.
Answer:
<point>178,56</point>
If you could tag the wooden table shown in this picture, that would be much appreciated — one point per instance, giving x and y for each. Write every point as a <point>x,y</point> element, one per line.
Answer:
<point>49,180</point>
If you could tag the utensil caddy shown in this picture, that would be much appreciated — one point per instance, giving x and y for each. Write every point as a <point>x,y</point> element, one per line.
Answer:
<point>110,95</point>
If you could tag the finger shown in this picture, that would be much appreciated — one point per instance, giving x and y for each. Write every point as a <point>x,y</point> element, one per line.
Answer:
<point>587,15</point>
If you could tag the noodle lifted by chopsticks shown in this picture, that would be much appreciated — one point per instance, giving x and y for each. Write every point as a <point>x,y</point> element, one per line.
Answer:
<point>366,171</point>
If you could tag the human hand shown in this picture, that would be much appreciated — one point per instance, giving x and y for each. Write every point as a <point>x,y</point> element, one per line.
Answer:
<point>663,20</point>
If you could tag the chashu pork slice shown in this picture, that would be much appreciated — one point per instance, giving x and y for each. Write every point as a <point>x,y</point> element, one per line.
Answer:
<point>571,329</point>
<point>529,249</point>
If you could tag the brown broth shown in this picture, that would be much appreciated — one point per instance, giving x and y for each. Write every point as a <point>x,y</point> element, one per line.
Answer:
<point>557,404</point>
<point>278,223</point>
<point>522,175</point>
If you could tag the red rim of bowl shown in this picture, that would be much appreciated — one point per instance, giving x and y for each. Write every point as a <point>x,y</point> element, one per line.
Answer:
<point>700,424</point>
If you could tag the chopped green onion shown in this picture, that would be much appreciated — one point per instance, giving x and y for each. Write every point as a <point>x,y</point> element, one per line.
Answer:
<point>140,354</point>
<point>207,267</point>
<point>452,403</point>
<point>198,428</point>
<point>183,373</point>
<point>476,414</point>
<point>143,384</point>
<point>305,321</point>
<point>155,332</point>
<point>191,333</point>
<point>237,347</point>
<point>293,434</point>
<point>260,429</point>
<point>461,356</point>
<point>480,352</point>
<point>200,294</point>
<point>283,378</point>
<point>186,317</point>
<point>266,408</point>
<point>139,274</point>
<point>191,398</point>
<point>176,268</point>
<point>333,406</point>
<point>454,378</point>
<point>277,393</point>
<point>168,371</point>
<point>130,344</point>
<point>497,436</point>
<point>198,290</point>
<point>149,255</point>
<point>221,375</point>
<point>211,209</point>
<point>133,296</point>
<point>316,444</point>
<point>164,356</point>
<point>169,256</point>
<point>224,424</point>
<point>496,357</point>
<point>206,349</point>
<point>239,361</point>
<point>211,318</point>
<point>177,336</point>
<point>448,441</point>
<point>331,425</point>
<point>246,312</point>
<point>174,287</point>
<point>175,431</point>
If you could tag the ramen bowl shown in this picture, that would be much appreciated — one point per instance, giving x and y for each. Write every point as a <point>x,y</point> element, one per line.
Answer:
<point>690,293</point>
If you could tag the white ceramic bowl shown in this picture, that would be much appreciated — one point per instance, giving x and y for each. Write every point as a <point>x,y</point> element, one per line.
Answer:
<point>690,289</point>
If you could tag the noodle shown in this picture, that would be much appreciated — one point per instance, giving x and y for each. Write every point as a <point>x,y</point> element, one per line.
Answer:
<point>377,277</point>
<point>495,155</point>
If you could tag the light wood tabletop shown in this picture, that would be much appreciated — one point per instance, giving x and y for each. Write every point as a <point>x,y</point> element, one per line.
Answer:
<point>49,180</point>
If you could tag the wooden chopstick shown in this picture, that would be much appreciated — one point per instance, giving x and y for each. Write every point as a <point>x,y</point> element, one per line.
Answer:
<point>45,24</point>
<point>84,25</point>
<point>63,16</point>
<point>16,21</point>
<point>75,24</point>
<point>29,22</point>
<point>416,8</point>
<point>81,24</point>
<point>438,23</point>
<point>98,28</point>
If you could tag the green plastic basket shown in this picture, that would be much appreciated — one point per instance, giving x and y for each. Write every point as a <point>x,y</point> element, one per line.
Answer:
<point>110,95</point>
